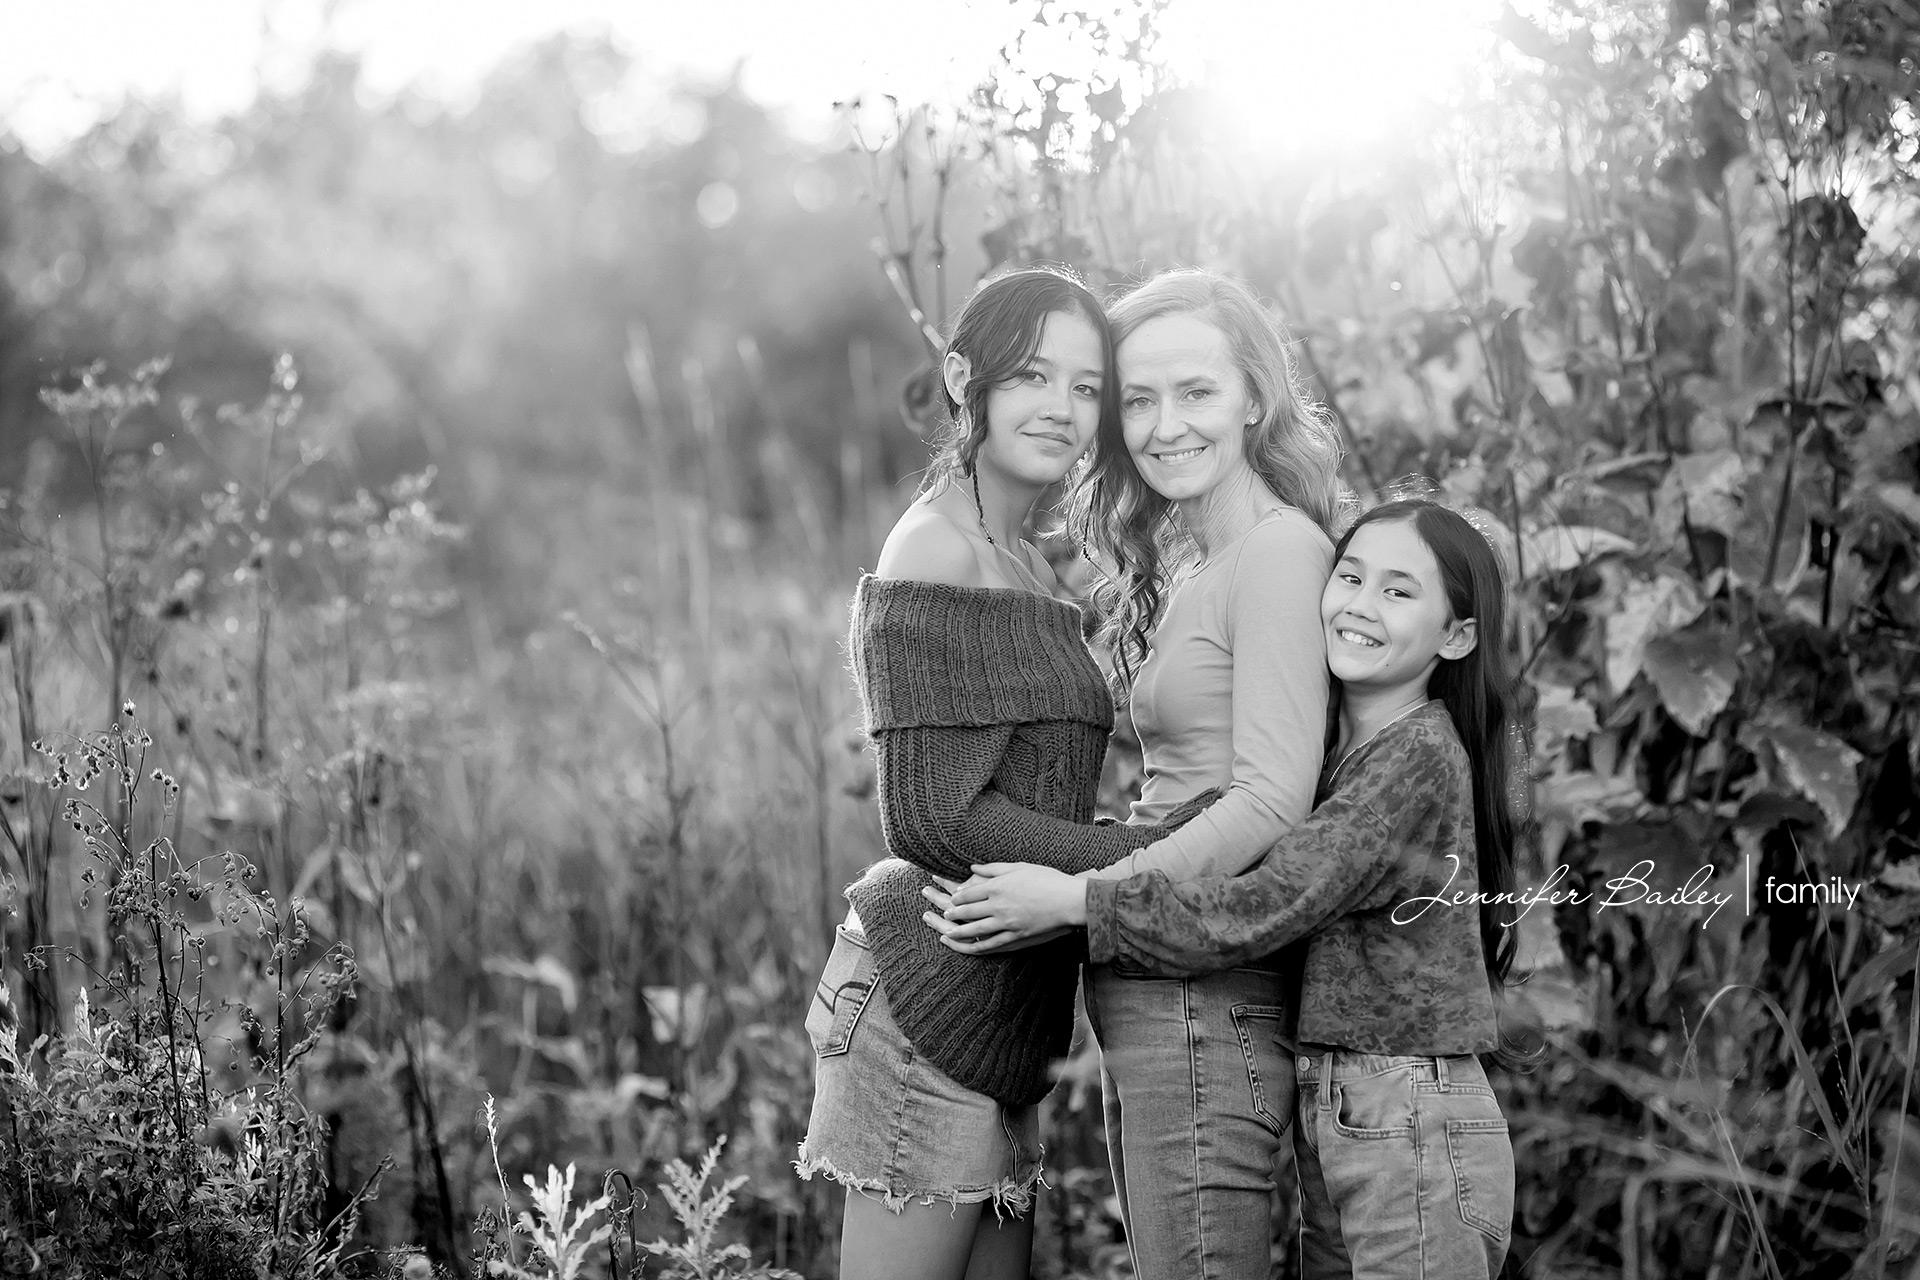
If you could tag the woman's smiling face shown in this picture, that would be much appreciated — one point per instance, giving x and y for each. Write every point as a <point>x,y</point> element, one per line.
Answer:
<point>1385,609</point>
<point>1184,407</point>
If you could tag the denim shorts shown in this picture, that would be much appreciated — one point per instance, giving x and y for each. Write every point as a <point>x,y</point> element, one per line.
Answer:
<point>1406,1167</point>
<point>889,1124</point>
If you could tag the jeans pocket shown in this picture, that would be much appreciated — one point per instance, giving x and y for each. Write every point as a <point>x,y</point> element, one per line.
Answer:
<point>842,994</point>
<point>1376,1106</point>
<point>1482,1155</point>
<point>1270,1069</point>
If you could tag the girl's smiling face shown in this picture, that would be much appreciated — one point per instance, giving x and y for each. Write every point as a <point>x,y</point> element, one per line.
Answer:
<point>1040,420</point>
<point>1385,609</point>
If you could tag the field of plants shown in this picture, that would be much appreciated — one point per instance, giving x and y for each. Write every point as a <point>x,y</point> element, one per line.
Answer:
<point>428,768</point>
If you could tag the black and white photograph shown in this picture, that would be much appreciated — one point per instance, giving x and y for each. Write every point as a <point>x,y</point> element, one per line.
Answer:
<point>959,640</point>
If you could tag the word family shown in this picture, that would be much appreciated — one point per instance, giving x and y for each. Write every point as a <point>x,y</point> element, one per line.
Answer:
<point>1816,893</point>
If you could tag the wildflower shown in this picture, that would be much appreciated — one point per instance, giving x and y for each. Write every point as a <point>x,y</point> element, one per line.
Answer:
<point>127,709</point>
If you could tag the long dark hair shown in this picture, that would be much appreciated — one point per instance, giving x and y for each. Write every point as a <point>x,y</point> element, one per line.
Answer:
<point>1478,692</point>
<point>998,331</point>
<point>1292,447</point>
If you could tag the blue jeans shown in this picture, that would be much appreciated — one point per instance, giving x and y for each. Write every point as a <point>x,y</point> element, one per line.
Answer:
<point>1199,1092</point>
<point>1406,1169</point>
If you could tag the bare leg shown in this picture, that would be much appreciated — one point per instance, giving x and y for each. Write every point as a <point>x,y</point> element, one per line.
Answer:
<point>1002,1248</point>
<point>924,1241</point>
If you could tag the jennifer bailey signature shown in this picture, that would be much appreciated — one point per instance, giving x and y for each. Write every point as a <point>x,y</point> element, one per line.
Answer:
<point>1623,890</point>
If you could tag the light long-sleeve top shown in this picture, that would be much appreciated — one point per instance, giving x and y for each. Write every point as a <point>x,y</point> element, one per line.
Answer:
<point>1233,696</point>
<point>1382,876</point>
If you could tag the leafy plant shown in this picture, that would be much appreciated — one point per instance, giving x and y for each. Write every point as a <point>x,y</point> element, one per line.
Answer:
<point>553,1228</point>
<point>700,1213</point>
<point>122,1155</point>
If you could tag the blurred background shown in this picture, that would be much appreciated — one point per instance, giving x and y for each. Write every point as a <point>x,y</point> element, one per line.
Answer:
<point>456,431</point>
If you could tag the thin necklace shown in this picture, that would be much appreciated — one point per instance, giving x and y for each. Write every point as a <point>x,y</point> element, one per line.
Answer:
<point>1348,753</point>
<point>1019,562</point>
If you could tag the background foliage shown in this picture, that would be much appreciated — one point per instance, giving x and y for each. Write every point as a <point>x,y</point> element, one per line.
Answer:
<point>498,626</point>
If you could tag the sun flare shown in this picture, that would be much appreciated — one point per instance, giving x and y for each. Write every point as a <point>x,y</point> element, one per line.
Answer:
<point>1292,76</point>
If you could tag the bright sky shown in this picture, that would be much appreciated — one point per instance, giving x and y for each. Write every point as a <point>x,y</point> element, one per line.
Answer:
<point>1332,69</point>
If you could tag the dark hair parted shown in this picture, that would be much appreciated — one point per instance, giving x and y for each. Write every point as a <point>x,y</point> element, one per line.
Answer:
<point>998,331</point>
<point>1292,447</point>
<point>1478,691</point>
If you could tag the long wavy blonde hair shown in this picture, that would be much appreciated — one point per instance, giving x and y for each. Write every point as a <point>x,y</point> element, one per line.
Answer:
<point>1293,447</point>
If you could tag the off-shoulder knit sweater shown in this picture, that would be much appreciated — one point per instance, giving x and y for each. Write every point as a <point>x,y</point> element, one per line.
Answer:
<point>989,723</point>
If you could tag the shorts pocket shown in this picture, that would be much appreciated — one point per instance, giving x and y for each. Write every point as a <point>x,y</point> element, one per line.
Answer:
<point>1270,1069</point>
<point>842,994</point>
<point>1376,1106</point>
<point>1482,1155</point>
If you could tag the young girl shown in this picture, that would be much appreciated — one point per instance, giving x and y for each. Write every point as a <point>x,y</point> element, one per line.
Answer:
<point>989,721</point>
<point>1404,1161</point>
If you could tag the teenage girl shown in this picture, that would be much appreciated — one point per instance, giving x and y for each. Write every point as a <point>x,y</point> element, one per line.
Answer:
<point>1405,1165</point>
<point>989,722</point>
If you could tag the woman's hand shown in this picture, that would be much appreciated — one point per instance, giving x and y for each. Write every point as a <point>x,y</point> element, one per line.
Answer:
<point>1007,904</point>
<point>940,894</point>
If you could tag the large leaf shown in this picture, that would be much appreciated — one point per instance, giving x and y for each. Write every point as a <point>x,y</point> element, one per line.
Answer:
<point>1573,798</point>
<point>1754,538</point>
<point>1695,670</point>
<point>1646,610</point>
<point>1706,489</point>
<point>1630,473</point>
<point>1561,547</point>
<point>1818,765</point>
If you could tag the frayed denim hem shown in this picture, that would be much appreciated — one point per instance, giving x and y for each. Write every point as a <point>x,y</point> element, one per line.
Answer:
<point>1010,1197</point>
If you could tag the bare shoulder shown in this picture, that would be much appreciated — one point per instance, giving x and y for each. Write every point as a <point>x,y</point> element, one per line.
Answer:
<point>926,546</point>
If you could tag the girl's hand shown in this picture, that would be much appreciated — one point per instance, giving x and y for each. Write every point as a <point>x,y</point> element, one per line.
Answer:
<point>1010,902</point>
<point>940,894</point>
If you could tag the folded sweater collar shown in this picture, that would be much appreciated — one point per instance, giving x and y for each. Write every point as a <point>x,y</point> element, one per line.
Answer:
<point>928,654</point>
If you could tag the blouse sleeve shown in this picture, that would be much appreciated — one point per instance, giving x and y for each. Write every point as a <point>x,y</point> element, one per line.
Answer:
<point>1279,701</point>
<point>1354,853</point>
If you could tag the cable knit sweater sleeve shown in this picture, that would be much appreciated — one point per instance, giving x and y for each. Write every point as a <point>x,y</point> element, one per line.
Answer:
<point>940,810</point>
<point>959,688</point>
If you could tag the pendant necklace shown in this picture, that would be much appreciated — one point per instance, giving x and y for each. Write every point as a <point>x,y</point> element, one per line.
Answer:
<point>1348,753</point>
<point>1019,562</point>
